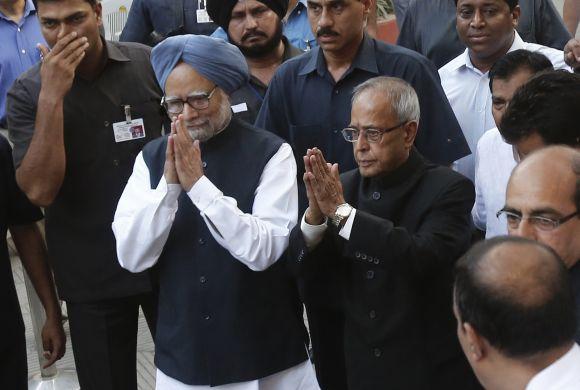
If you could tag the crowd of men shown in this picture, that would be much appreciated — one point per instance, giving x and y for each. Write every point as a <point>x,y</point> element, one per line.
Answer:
<point>420,202</point>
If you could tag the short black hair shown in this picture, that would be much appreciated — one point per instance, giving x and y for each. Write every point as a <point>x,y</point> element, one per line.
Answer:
<point>514,61</point>
<point>516,329</point>
<point>511,3</point>
<point>547,104</point>
<point>91,2</point>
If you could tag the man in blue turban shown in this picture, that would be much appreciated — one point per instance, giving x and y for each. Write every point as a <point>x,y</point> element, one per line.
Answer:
<point>211,206</point>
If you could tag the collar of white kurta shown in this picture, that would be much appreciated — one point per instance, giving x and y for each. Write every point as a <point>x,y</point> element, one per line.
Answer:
<point>564,373</point>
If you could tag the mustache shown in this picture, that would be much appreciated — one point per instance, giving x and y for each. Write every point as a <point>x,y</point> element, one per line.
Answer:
<point>326,31</point>
<point>254,34</point>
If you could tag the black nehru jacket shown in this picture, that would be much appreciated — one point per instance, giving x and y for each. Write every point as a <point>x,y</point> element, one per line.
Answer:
<point>220,322</point>
<point>392,279</point>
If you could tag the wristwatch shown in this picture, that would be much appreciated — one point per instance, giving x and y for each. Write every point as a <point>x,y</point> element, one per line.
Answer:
<point>342,212</point>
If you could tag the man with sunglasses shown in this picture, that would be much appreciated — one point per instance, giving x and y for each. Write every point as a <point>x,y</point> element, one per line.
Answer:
<point>211,206</point>
<point>543,203</point>
<point>389,233</point>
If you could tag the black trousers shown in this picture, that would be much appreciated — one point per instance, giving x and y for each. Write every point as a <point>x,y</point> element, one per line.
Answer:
<point>13,364</point>
<point>104,340</point>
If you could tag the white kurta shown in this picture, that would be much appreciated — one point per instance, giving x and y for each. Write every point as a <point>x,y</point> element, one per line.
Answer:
<point>144,217</point>
<point>467,89</point>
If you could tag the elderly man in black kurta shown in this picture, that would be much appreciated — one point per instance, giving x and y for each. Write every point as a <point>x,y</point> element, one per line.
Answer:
<point>394,228</point>
<point>70,119</point>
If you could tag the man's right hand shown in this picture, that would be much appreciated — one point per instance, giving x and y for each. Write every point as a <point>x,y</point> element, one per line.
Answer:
<point>59,64</point>
<point>169,170</point>
<point>313,215</point>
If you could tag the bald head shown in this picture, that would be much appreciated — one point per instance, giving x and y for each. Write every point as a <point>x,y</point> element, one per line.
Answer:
<point>546,184</point>
<point>505,282</point>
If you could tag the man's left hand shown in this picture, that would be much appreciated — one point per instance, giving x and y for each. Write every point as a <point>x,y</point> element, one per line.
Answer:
<point>188,162</point>
<point>572,53</point>
<point>53,340</point>
<point>325,183</point>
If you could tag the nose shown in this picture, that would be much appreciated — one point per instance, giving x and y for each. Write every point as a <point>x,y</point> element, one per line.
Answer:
<point>189,113</point>
<point>250,22</point>
<point>325,19</point>
<point>361,145</point>
<point>64,29</point>
<point>525,229</point>
<point>478,20</point>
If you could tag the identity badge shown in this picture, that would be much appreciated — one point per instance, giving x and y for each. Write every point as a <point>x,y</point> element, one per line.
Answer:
<point>129,130</point>
<point>201,14</point>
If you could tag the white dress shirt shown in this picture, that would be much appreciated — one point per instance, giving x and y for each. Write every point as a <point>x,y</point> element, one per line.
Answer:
<point>143,221</point>
<point>563,374</point>
<point>494,162</point>
<point>467,89</point>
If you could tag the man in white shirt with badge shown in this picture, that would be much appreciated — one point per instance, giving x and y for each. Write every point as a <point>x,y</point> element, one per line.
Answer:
<point>487,28</point>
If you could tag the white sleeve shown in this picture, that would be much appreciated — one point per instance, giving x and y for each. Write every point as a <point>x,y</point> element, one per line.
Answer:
<point>312,234</point>
<point>143,218</point>
<point>478,212</point>
<point>260,238</point>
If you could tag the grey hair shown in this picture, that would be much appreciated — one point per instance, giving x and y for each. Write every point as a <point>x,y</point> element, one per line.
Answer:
<point>401,95</point>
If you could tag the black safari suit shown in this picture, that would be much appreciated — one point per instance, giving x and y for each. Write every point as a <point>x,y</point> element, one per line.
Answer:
<point>392,280</point>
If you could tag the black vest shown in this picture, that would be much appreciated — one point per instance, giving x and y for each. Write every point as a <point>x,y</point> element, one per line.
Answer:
<point>220,322</point>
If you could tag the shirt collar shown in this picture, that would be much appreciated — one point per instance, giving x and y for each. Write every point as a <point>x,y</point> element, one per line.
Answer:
<point>559,373</point>
<point>365,59</point>
<point>28,9</point>
<point>113,52</point>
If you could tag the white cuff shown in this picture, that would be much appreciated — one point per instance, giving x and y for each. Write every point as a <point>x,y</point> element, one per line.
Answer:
<point>204,193</point>
<point>312,234</point>
<point>346,229</point>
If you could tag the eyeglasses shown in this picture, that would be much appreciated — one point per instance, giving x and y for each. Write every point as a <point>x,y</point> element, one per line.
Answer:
<point>198,101</point>
<point>351,134</point>
<point>541,223</point>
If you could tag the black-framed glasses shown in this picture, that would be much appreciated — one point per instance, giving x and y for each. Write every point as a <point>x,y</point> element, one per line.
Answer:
<point>541,223</point>
<point>351,134</point>
<point>199,101</point>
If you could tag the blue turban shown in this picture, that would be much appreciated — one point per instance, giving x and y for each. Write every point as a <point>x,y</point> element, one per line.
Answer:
<point>214,59</point>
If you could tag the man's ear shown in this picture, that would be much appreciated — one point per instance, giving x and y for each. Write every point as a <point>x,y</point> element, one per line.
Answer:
<point>367,4</point>
<point>475,343</point>
<point>516,12</point>
<point>98,8</point>
<point>410,129</point>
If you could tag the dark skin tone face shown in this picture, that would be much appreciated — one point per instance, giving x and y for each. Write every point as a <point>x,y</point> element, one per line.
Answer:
<point>487,29</point>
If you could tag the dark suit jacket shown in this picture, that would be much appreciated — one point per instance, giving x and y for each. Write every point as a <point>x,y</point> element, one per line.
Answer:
<point>393,278</point>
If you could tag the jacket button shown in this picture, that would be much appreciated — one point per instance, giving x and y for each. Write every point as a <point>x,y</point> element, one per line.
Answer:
<point>206,317</point>
<point>376,195</point>
<point>372,314</point>
<point>201,241</point>
<point>370,274</point>
<point>202,279</point>
<point>376,260</point>
<point>370,259</point>
<point>363,256</point>
<point>357,255</point>
<point>377,352</point>
<point>116,163</point>
<point>204,164</point>
<point>106,123</point>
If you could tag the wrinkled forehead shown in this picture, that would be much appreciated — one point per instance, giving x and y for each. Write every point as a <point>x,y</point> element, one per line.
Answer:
<point>184,79</point>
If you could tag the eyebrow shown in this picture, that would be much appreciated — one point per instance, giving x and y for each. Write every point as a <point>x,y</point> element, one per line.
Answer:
<point>535,212</point>
<point>67,18</point>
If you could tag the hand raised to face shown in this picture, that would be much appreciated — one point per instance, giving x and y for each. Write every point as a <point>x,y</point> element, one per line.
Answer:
<point>188,164</point>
